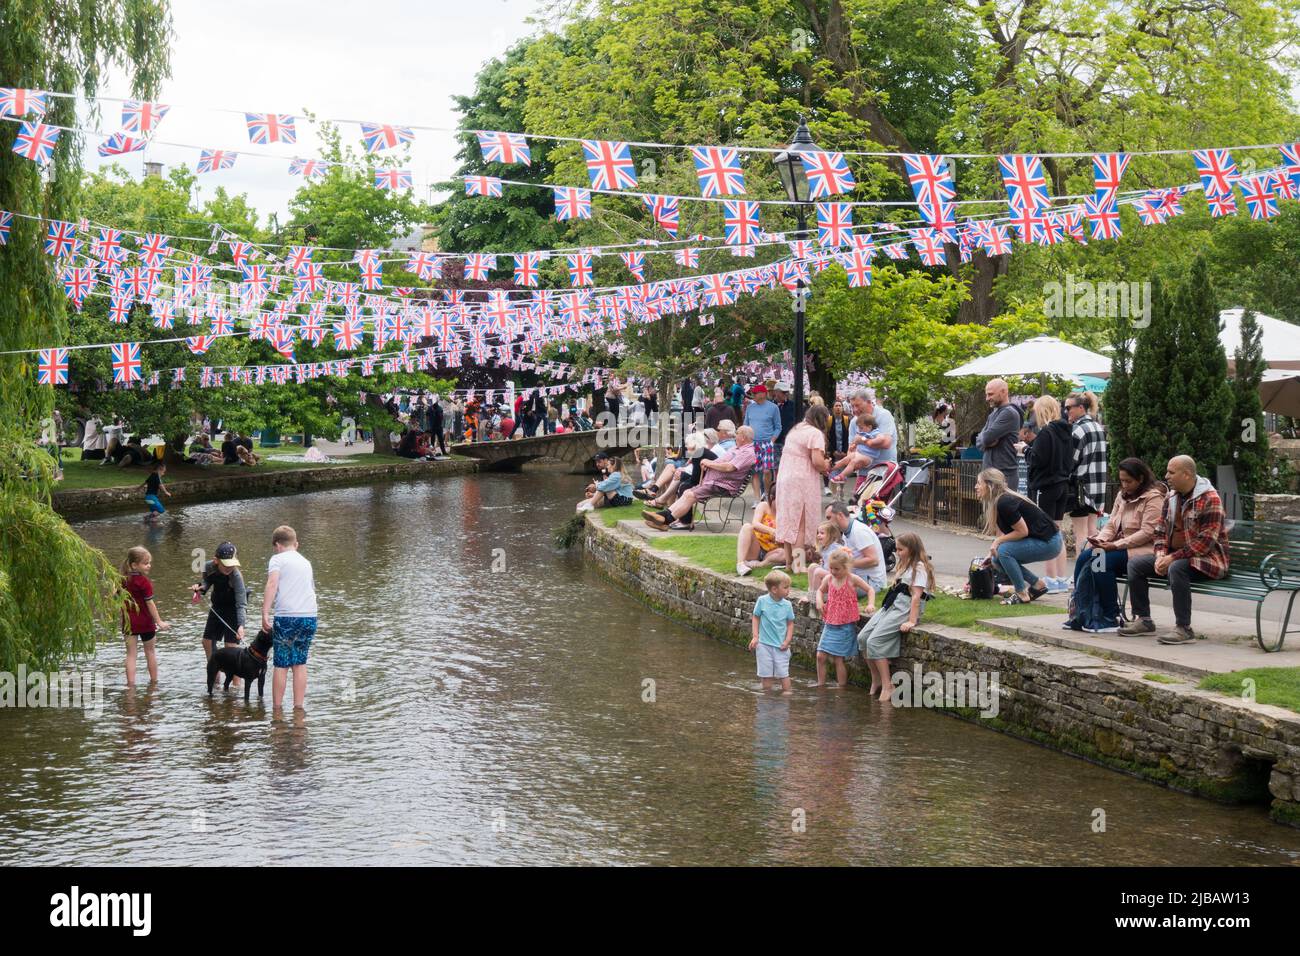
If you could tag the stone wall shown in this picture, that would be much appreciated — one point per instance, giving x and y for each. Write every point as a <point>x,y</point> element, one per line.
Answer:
<point>1172,734</point>
<point>1277,508</point>
<point>256,483</point>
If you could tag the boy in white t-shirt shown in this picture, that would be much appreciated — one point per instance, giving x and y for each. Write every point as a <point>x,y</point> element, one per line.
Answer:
<point>291,599</point>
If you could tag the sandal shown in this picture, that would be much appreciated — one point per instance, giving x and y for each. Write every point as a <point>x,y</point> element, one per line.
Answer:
<point>1035,595</point>
<point>679,526</point>
<point>1016,599</point>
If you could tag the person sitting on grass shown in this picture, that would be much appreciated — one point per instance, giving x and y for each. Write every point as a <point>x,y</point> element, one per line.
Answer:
<point>756,545</point>
<point>614,491</point>
<point>861,455</point>
<point>131,454</point>
<point>723,478</point>
<point>201,451</point>
<point>837,602</point>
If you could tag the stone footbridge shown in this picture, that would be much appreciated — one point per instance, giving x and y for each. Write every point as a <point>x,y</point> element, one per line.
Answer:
<point>575,449</point>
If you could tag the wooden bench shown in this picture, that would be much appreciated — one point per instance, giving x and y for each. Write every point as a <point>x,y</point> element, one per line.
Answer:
<point>1264,559</point>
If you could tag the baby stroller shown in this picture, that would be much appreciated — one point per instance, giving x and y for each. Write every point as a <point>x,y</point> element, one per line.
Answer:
<point>874,511</point>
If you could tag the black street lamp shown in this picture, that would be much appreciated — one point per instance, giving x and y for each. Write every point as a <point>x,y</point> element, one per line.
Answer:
<point>789,164</point>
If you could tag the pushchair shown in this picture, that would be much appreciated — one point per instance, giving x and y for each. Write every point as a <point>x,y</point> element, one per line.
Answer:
<point>875,507</point>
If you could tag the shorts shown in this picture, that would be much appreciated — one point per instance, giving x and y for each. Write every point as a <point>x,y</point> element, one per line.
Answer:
<point>1052,500</point>
<point>772,661</point>
<point>155,505</point>
<point>216,630</point>
<point>618,501</point>
<point>764,456</point>
<point>292,639</point>
<point>146,637</point>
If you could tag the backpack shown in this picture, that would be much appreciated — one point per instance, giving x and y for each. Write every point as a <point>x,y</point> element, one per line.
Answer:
<point>982,586</point>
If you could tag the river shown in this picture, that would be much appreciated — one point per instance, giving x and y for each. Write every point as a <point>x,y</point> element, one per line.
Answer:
<point>477,697</point>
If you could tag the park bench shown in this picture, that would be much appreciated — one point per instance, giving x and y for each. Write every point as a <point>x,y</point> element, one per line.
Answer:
<point>1264,559</point>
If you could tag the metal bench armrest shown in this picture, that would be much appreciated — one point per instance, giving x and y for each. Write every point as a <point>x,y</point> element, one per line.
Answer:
<point>1276,568</point>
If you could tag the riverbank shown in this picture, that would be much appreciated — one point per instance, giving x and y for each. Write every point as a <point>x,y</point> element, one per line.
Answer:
<point>1148,723</point>
<point>220,483</point>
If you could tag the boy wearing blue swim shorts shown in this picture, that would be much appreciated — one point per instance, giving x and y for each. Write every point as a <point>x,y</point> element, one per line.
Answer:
<point>290,599</point>
<point>153,487</point>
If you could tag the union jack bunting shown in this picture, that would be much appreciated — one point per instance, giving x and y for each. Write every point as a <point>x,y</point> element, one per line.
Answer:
<point>61,239</point>
<point>264,128</point>
<point>308,168</point>
<point>834,223</point>
<point>394,179</point>
<point>163,314</point>
<point>1291,162</point>
<point>52,367</point>
<point>1261,200</point>
<point>572,203</point>
<point>790,274</point>
<point>1224,205</point>
<point>240,252</point>
<point>995,240</point>
<point>857,266</point>
<point>119,310</point>
<point>664,209</point>
<point>198,344</point>
<point>740,222</point>
<point>380,136</point>
<point>896,250</point>
<point>579,268</point>
<point>142,117</point>
<point>211,160</point>
<point>78,281</point>
<point>1170,201</point>
<point>482,186</point>
<point>222,324</point>
<point>689,258</point>
<point>1217,169</point>
<point>635,262</point>
<point>15,102</point>
<point>154,248</point>
<point>125,362</point>
<point>107,245</point>
<point>425,265</point>
<point>298,257</point>
<point>1149,211</point>
<point>526,268</point>
<point>609,164</point>
<point>933,188</point>
<point>828,173</point>
<point>347,334</point>
<point>717,290</point>
<point>1103,217</point>
<point>140,280</point>
<point>1050,230</point>
<point>479,264</point>
<point>928,246</point>
<point>1285,186</point>
<point>1026,186</point>
<point>718,170</point>
<point>1107,171</point>
<point>504,147</point>
<point>193,281</point>
<point>119,144</point>
<point>309,278</point>
<point>6,223</point>
<point>36,142</point>
<point>281,339</point>
<point>255,282</point>
<point>498,312</point>
<point>372,270</point>
<point>800,248</point>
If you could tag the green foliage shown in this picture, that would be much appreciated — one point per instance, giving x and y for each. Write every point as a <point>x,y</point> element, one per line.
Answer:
<point>1118,403</point>
<point>1200,378</point>
<point>1247,439</point>
<point>1154,421</point>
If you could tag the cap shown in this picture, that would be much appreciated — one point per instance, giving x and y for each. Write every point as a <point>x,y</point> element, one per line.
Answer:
<point>226,554</point>
<point>759,389</point>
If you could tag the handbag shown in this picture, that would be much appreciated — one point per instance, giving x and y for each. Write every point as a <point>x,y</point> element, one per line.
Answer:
<point>982,586</point>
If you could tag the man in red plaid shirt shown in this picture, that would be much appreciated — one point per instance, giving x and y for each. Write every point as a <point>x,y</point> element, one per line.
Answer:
<point>1191,544</point>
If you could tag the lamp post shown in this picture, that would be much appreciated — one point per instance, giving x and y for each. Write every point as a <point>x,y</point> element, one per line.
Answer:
<point>789,164</point>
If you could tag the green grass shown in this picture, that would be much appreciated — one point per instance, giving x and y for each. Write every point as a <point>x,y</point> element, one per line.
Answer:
<point>1279,686</point>
<point>1161,678</point>
<point>717,553</point>
<point>632,512</point>
<point>953,611</point>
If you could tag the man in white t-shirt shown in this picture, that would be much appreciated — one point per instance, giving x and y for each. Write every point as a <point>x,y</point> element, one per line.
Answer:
<point>291,599</point>
<point>868,557</point>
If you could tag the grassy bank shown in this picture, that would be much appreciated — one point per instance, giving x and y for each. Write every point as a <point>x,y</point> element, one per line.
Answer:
<point>1279,686</point>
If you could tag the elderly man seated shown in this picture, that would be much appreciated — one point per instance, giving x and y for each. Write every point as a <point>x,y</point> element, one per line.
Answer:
<point>723,477</point>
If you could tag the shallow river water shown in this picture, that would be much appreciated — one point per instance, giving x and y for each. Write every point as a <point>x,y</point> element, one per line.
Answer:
<point>458,713</point>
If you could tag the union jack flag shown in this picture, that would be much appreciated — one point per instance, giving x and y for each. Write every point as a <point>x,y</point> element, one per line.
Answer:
<point>1285,186</point>
<point>154,248</point>
<point>6,223</point>
<point>141,117</point>
<point>1261,200</point>
<point>572,203</point>
<point>381,136</point>
<point>163,313</point>
<point>299,256</point>
<point>372,270</point>
<point>689,258</point>
<point>211,160</point>
<point>120,143</point>
<point>1170,201</point>
<point>52,366</point>
<point>995,240</point>
<point>1217,169</point>
<point>255,282</point>
<point>1291,161</point>
<point>482,186</point>
<point>718,170</point>
<point>933,187</point>
<point>193,280</point>
<point>348,334</point>
<point>309,278</point>
<point>1026,186</point>
<point>896,250</point>
<point>119,310</point>
<point>428,267</point>
<point>1107,171</point>
<point>264,128</point>
<point>198,344</point>
<point>740,222</point>
<point>717,290</point>
<point>504,147</point>
<point>609,164</point>
<point>107,245</point>
<point>834,223</point>
<point>281,339</point>
<point>1103,217</point>
<point>857,266</point>
<point>1222,205</point>
<point>61,239</point>
<point>526,268</point>
<point>15,102</point>
<point>479,264</point>
<point>140,280</point>
<point>394,179</point>
<point>664,209</point>
<point>498,312</point>
<point>635,262</point>
<point>828,173</point>
<point>579,268</point>
<point>1050,230</point>
<point>928,246</point>
<point>36,142</point>
<point>240,252</point>
<point>307,168</point>
<point>1149,210</point>
<point>125,362</point>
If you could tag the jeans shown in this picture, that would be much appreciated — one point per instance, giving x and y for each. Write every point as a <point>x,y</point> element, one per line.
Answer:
<point>1181,574</point>
<point>1014,555</point>
<point>1105,584</point>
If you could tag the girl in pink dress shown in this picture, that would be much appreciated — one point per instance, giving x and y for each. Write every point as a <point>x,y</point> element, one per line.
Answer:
<point>837,600</point>
<point>799,484</point>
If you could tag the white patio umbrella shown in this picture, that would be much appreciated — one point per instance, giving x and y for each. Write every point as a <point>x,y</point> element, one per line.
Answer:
<point>1279,392</point>
<point>1280,341</point>
<point>1043,355</point>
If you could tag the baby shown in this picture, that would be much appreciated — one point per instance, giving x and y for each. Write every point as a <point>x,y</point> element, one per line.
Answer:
<point>859,456</point>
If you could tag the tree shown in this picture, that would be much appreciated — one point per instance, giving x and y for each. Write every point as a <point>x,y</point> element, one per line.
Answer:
<point>1118,405</point>
<point>1247,438</point>
<point>1200,375</point>
<point>56,592</point>
<point>1154,423</point>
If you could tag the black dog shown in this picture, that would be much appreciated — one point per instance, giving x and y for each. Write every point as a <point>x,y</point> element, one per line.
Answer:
<point>246,662</point>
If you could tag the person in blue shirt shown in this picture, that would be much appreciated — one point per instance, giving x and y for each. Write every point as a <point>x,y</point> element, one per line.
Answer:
<point>773,631</point>
<point>765,418</point>
<point>613,491</point>
<point>736,398</point>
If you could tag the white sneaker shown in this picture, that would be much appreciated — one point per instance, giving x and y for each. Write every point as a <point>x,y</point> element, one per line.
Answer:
<point>1103,630</point>
<point>743,569</point>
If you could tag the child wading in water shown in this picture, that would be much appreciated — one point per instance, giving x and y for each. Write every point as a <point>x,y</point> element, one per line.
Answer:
<point>881,638</point>
<point>152,486</point>
<point>140,619</point>
<point>774,631</point>
<point>837,600</point>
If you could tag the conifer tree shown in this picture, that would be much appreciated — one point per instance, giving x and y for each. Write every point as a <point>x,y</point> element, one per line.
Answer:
<point>1199,374</point>
<point>1246,436</point>
<point>1150,431</point>
<point>1117,404</point>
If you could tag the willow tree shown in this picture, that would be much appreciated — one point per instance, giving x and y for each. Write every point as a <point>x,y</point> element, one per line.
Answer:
<point>56,592</point>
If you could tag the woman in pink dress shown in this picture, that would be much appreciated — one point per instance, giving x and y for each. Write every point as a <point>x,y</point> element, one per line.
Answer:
<point>799,484</point>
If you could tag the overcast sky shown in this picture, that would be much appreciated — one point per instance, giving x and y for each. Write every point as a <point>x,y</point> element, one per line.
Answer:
<point>393,61</point>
